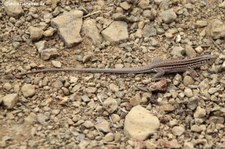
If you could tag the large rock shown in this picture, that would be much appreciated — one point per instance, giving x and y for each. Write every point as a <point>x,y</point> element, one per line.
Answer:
<point>90,29</point>
<point>116,31</point>
<point>140,123</point>
<point>216,29</point>
<point>13,8</point>
<point>35,33</point>
<point>69,26</point>
<point>10,100</point>
<point>168,16</point>
<point>28,90</point>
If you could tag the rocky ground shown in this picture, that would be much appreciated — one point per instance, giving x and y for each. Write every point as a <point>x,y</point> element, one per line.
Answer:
<point>86,110</point>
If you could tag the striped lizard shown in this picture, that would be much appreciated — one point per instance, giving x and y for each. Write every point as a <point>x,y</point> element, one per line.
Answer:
<point>161,68</point>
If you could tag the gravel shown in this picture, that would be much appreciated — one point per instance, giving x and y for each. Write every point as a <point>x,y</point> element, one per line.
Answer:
<point>85,110</point>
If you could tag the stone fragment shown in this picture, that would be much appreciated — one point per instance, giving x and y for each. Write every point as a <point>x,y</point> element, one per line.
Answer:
<point>110,105</point>
<point>109,137</point>
<point>168,16</point>
<point>222,5</point>
<point>102,125</point>
<point>7,86</point>
<point>188,92</point>
<point>49,32</point>
<point>35,33</point>
<point>90,30</point>
<point>216,29</point>
<point>177,51</point>
<point>149,30</point>
<point>178,130</point>
<point>40,45</point>
<point>56,64</point>
<point>201,23</point>
<point>188,80</point>
<point>49,53</point>
<point>28,90</point>
<point>143,4</point>
<point>140,123</point>
<point>117,31</point>
<point>125,5</point>
<point>200,112</point>
<point>69,26</point>
<point>88,124</point>
<point>190,52</point>
<point>188,145</point>
<point>85,98</point>
<point>167,107</point>
<point>10,100</point>
<point>113,87</point>
<point>42,118</point>
<point>13,8</point>
<point>196,128</point>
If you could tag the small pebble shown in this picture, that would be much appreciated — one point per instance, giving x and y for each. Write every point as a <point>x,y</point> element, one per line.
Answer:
<point>56,64</point>
<point>28,90</point>
<point>200,112</point>
<point>188,92</point>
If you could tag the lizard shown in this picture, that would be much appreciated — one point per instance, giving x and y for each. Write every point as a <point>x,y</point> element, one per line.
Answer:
<point>160,68</point>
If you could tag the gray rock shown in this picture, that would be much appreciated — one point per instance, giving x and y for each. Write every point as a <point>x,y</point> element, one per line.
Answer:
<point>193,104</point>
<point>90,30</point>
<point>188,80</point>
<point>116,31</point>
<point>200,112</point>
<point>85,98</point>
<point>113,87</point>
<point>213,90</point>
<point>110,105</point>
<point>222,5</point>
<point>35,33</point>
<point>28,90</point>
<point>216,119</point>
<point>10,100</point>
<point>40,45</point>
<point>177,51</point>
<point>188,145</point>
<point>197,128</point>
<point>164,4</point>
<point>42,118</point>
<point>188,92</point>
<point>201,23</point>
<point>102,125</point>
<point>12,9</point>
<point>109,137</point>
<point>88,124</point>
<point>46,54</point>
<point>49,32</point>
<point>216,29</point>
<point>56,64</point>
<point>73,79</point>
<point>143,4</point>
<point>178,130</point>
<point>69,26</point>
<point>91,89</point>
<point>149,30</point>
<point>7,86</point>
<point>125,5</point>
<point>168,16</point>
<point>167,107</point>
<point>190,52</point>
<point>140,123</point>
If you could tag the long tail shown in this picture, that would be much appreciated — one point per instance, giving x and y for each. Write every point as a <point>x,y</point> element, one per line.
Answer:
<point>94,70</point>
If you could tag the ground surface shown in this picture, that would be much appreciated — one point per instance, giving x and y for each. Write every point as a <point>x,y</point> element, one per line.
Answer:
<point>83,110</point>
